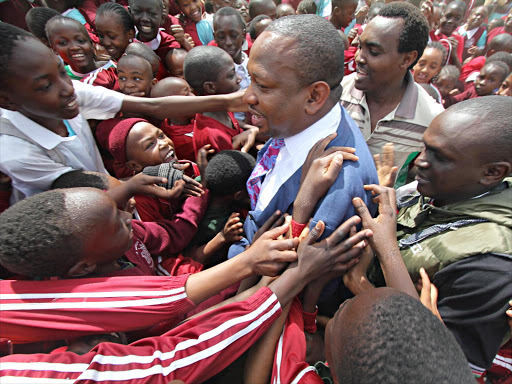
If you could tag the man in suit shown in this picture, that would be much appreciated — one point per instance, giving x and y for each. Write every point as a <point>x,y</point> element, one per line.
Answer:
<point>296,67</point>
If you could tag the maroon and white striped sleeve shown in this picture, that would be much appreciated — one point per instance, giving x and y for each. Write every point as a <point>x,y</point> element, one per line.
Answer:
<point>33,311</point>
<point>192,352</point>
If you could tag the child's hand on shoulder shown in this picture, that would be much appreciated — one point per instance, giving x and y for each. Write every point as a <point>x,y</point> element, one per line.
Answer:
<point>233,230</point>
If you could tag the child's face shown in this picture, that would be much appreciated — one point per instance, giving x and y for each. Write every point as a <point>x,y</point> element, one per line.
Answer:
<point>242,7</point>
<point>191,9</point>
<point>445,85</point>
<point>477,17</point>
<point>112,34</point>
<point>73,45</point>
<point>40,88</point>
<point>135,77</point>
<point>451,19</point>
<point>229,36</point>
<point>284,10</point>
<point>488,80</point>
<point>428,65</point>
<point>147,145</point>
<point>345,13</point>
<point>174,64</point>
<point>228,80</point>
<point>506,87</point>
<point>147,16</point>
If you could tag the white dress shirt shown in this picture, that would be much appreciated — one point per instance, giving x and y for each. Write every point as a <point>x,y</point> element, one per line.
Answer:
<point>32,171</point>
<point>294,152</point>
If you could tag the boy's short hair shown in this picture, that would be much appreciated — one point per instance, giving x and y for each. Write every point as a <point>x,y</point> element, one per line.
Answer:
<point>64,19</point>
<point>254,22</point>
<point>307,7</point>
<point>449,72</point>
<point>400,341</point>
<point>504,57</point>
<point>142,50</point>
<point>135,59</point>
<point>228,171</point>
<point>38,236</point>
<point>36,19</point>
<point>79,178</point>
<point>503,68</point>
<point>203,64</point>
<point>10,35</point>
<point>229,11</point>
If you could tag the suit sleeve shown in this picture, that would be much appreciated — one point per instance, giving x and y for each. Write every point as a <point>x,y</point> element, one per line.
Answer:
<point>34,311</point>
<point>192,352</point>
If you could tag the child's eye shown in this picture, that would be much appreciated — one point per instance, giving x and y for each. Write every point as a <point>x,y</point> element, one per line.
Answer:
<point>150,145</point>
<point>137,79</point>
<point>45,87</point>
<point>122,78</point>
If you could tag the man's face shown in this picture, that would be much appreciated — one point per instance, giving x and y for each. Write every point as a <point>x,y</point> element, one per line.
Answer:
<point>147,16</point>
<point>450,165</point>
<point>452,17</point>
<point>275,96</point>
<point>477,17</point>
<point>488,80</point>
<point>38,85</point>
<point>378,60</point>
<point>229,36</point>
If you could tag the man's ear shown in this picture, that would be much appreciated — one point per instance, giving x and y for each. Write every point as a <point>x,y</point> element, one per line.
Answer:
<point>495,172</point>
<point>81,268</point>
<point>209,88</point>
<point>408,59</point>
<point>6,103</point>
<point>134,166</point>
<point>318,94</point>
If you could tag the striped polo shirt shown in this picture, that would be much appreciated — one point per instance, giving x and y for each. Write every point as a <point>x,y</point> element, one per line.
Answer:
<point>404,126</point>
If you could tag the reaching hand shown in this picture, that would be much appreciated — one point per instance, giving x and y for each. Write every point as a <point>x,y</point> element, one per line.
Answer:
<point>245,140</point>
<point>386,171</point>
<point>191,187</point>
<point>352,34</point>
<point>269,256</point>
<point>356,275</point>
<point>383,226</point>
<point>332,256</point>
<point>202,160</point>
<point>236,102</point>
<point>428,295</point>
<point>276,220</point>
<point>142,184</point>
<point>233,230</point>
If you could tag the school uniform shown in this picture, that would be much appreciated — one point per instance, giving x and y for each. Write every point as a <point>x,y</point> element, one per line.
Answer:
<point>495,32</point>
<point>474,66</point>
<point>182,137</point>
<point>36,311</point>
<point>473,37</point>
<point>470,93</point>
<point>192,352</point>
<point>161,44</point>
<point>207,130</point>
<point>200,32</point>
<point>31,166</point>
<point>105,76</point>
<point>443,39</point>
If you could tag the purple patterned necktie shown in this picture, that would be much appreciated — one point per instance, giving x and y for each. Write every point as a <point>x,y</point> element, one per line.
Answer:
<point>264,166</point>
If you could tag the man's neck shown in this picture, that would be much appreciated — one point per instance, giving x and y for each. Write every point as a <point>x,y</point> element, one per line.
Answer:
<point>390,95</point>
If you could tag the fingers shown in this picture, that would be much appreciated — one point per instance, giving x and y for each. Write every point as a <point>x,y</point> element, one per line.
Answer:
<point>285,245</point>
<point>334,167</point>
<point>181,167</point>
<point>362,211</point>
<point>315,233</point>
<point>387,197</point>
<point>190,181</point>
<point>388,154</point>
<point>276,232</point>
<point>425,296</point>
<point>358,241</point>
<point>274,219</point>
<point>248,145</point>
<point>342,231</point>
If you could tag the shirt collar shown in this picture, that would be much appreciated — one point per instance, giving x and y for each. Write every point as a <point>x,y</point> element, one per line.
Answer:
<point>407,107</point>
<point>41,135</point>
<point>153,44</point>
<point>322,128</point>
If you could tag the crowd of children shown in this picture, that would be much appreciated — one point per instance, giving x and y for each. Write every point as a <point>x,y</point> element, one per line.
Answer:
<point>232,191</point>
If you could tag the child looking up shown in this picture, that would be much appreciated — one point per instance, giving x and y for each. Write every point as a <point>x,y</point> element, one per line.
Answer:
<point>430,63</point>
<point>114,28</point>
<point>180,129</point>
<point>70,40</point>
<point>242,7</point>
<point>446,81</point>
<point>147,17</point>
<point>453,42</point>
<point>225,175</point>
<point>137,144</point>
<point>211,71</point>
<point>487,83</point>
<point>44,131</point>
<point>135,76</point>
<point>191,19</point>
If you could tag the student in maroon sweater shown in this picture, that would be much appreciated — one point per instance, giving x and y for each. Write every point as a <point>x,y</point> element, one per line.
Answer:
<point>179,130</point>
<point>211,71</point>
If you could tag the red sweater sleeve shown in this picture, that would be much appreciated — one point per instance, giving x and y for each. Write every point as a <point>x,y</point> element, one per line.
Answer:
<point>34,311</point>
<point>210,131</point>
<point>191,352</point>
<point>170,236</point>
